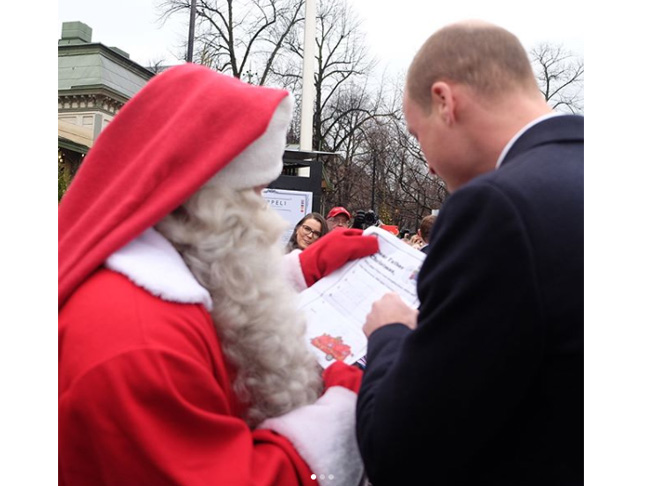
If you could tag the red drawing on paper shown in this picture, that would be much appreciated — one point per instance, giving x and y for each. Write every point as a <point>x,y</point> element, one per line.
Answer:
<point>333,347</point>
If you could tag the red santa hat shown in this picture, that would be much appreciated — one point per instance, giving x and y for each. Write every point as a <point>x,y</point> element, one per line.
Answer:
<point>187,127</point>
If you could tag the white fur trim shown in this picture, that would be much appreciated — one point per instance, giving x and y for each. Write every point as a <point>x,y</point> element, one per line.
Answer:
<point>262,161</point>
<point>293,271</point>
<point>151,262</point>
<point>324,435</point>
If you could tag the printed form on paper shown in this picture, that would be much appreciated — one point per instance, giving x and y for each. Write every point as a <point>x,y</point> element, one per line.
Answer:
<point>337,305</point>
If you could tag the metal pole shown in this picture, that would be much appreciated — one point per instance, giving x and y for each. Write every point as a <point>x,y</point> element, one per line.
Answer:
<point>373,182</point>
<point>308,85</point>
<point>192,24</point>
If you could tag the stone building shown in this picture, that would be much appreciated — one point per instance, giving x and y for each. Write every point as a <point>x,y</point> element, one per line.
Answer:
<point>94,82</point>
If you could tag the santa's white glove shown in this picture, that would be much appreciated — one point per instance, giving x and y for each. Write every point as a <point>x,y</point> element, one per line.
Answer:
<point>293,271</point>
<point>324,435</point>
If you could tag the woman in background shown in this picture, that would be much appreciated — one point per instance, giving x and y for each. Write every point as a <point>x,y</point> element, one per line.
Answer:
<point>309,229</point>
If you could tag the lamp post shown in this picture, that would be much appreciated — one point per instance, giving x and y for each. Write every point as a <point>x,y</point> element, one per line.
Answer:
<point>192,24</point>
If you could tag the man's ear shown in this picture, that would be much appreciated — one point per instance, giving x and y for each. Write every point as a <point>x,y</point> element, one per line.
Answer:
<point>443,101</point>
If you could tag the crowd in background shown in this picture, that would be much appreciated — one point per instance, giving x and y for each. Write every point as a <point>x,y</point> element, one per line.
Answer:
<point>313,226</point>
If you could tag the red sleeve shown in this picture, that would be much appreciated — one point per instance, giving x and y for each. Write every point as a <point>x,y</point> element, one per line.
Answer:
<point>341,374</point>
<point>151,418</point>
<point>145,399</point>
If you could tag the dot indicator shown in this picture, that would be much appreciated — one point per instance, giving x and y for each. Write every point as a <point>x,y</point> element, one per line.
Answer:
<point>313,477</point>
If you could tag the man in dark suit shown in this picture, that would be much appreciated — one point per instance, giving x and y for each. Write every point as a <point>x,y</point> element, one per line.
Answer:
<point>483,384</point>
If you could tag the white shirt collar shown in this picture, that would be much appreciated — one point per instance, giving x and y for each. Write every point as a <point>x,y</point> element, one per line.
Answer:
<point>519,134</point>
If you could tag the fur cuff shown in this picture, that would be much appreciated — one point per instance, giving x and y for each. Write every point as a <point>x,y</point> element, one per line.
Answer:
<point>293,271</point>
<point>324,436</point>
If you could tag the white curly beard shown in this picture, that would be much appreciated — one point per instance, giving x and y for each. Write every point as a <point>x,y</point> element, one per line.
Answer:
<point>230,241</point>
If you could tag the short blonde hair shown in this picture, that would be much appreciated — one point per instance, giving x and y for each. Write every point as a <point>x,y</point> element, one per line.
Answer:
<point>485,57</point>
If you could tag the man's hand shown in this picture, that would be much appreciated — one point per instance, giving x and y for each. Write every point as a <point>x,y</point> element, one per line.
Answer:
<point>389,309</point>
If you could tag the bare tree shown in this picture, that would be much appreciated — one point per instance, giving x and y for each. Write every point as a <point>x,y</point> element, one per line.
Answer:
<point>261,41</point>
<point>382,168</point>
<point>406,191</point>
<point>354,116</point>
<point>244,38</point>
<point>560,75</point>
<point>341,60</point>
<point>156,66</point>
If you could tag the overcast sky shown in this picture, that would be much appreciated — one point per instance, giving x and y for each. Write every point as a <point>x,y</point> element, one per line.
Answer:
<point>394,29</point>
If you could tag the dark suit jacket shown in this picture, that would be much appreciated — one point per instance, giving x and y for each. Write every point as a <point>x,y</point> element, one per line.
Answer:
<point>489,388</point>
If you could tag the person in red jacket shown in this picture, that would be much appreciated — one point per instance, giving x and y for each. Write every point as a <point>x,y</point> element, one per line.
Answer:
<point>182,357</point>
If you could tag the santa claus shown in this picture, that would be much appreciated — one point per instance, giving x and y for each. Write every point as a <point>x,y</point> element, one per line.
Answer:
<point>182,357</point>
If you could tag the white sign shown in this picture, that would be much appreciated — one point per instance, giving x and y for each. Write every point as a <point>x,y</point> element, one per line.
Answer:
<point>292,206</point>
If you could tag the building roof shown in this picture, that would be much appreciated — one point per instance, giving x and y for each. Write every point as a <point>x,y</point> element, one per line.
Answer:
<point>84,65</point>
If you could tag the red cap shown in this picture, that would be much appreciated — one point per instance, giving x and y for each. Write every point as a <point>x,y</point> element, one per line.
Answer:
<point>338,210</point>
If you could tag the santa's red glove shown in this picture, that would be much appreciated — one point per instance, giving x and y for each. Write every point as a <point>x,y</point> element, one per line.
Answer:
<point>342,374</point>
<point>333,250</point>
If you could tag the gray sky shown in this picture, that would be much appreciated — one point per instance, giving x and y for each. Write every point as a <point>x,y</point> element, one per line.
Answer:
<point>393,34</point>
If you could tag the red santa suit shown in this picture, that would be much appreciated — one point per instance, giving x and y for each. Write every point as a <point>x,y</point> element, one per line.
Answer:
<point>145,394</point>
